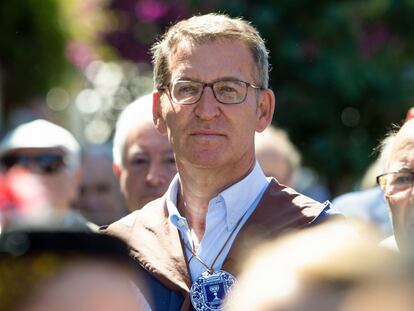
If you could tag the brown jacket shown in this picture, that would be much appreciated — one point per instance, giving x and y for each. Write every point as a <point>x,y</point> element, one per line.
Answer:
<point>156,245</point>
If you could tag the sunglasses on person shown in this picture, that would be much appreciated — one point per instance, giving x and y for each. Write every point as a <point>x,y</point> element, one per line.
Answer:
<point>44,163</point>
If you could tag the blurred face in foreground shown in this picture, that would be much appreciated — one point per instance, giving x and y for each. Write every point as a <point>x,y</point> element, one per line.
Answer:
<point>86,286</point>
<point>149,166</point>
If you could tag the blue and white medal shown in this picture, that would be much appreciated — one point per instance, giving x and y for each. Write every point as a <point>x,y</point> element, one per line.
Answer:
<point>208,292</point>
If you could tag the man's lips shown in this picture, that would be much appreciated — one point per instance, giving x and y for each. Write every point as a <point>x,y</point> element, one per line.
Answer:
<point>206,133</point>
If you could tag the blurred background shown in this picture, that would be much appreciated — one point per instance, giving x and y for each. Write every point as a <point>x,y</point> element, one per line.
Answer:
<point>342,71</point>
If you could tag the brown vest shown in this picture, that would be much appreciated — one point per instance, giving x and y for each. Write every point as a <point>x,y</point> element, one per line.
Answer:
<point>155,243</point>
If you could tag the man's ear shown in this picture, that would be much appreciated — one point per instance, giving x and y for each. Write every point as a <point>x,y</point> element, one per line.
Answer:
<point>117,169</point>
<point>265,109</point>
<point>157,113</point>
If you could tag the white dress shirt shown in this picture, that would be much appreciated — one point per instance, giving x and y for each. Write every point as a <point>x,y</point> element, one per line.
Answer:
<point>224,213</point>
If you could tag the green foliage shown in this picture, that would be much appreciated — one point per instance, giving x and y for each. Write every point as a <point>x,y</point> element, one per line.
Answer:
<point>32,45</point>
<point>342,70</point>
<point>342,74</point>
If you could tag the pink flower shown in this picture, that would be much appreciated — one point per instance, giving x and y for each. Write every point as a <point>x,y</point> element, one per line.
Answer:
<point>80,54</point>
<point>373,39</point>
<point>150,10</point>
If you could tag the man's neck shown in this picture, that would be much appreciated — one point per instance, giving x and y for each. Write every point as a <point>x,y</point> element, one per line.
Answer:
<point>199,186</point>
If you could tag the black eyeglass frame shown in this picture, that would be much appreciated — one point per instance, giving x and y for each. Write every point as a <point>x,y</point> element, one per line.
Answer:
<point>378,178</point>
<point>167,90</point>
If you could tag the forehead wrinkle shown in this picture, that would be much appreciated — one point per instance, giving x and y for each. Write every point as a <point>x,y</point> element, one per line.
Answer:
<point>402,156</point>
<point>184,50</point>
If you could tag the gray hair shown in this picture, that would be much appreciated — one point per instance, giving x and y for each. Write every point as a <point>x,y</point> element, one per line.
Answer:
<point>208,28</point>
<point>384,148</point>
<point>136,113</point>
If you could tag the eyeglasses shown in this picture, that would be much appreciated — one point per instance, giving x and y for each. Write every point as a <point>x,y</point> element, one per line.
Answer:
<point>396,183</point>
<point>187,92</point>
<point>45,163</point>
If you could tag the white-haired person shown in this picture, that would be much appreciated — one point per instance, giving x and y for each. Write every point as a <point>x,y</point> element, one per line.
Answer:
<point>143,158</point>
<point>41,163</point>
<point>397,184</point>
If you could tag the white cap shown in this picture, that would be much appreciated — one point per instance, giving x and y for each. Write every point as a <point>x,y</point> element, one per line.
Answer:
<point>42,134</point>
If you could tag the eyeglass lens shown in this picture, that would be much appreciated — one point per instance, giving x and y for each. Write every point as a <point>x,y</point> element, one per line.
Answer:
<point>396,183</point>
<point>46,163</point>
<point>226,92</point>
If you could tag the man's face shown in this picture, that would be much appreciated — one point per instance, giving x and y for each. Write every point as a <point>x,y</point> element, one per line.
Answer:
<point>58,182</point>
<point>149,166</point>
<point>209,134</point>
<point>402,204</point>
<point>99,200</point>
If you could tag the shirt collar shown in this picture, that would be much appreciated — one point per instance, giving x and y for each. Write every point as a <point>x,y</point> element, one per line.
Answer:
<point>237,198</point>
<point>175,217</point>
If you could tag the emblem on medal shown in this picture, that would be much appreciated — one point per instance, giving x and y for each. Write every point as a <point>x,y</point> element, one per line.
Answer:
<point>208,292</point>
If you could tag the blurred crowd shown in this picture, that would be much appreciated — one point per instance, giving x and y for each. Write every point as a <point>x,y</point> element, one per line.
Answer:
<point>62,206</point>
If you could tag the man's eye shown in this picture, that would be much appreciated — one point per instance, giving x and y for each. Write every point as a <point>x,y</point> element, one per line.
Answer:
<point>103,188</point>
<point>227,89</point>
<point>403,180</point>
<point>138,161</point>
<point>186,90</point>
<point>169,160</point>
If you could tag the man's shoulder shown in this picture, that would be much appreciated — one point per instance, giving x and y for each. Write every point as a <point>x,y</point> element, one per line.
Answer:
<point>150,213</point>
<point>284,195</point>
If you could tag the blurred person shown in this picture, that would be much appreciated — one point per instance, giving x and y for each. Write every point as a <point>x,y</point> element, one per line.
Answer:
<point>100,200</point>
<point>211,97</point>
<point>66,271</point>
<point>277,156</point>
<point>368,204</point>
<point>143,158</point>
<point>334,266</point>
<point>309,183</point>
<point>397,184</point>
<point>48,156</point>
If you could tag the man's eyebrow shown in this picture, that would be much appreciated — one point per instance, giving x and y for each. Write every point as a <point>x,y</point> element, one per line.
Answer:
<point>228,78</point>
<point>404,169</point>
<point>185,78</point>
<point>401,169</point>
<point>225,78</point>
<point>138,152</point>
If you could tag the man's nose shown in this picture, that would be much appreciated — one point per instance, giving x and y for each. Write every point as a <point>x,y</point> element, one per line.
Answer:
<point>207,108</point>
<point>156,174</point>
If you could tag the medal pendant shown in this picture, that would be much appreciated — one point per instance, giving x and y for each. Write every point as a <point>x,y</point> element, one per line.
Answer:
<point>208,292</point>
